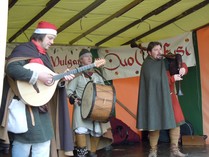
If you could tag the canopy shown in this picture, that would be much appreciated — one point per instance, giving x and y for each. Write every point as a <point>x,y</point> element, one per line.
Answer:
<point>106,23</point>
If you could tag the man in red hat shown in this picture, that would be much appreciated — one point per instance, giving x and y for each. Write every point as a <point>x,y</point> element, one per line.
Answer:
<point>49,124</point>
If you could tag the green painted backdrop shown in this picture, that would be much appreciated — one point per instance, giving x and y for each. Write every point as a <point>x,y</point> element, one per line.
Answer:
<point>191,102</point>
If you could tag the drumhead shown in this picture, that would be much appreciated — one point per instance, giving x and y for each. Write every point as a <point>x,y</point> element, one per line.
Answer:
<point>87,99</point>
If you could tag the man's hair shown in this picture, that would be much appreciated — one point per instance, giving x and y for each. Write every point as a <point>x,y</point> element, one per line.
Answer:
<point>82,52</point>
<point>151,45</point>
<point>37,37</point>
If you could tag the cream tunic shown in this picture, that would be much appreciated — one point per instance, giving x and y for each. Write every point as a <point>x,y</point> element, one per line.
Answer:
<point>78,84</point>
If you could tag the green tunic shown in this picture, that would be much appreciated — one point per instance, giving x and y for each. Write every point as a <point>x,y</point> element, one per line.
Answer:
<point>155,110</point>
<point>56,121</point>
<point>41,132</point>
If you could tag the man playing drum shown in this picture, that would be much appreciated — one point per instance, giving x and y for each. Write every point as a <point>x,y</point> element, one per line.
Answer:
<point>89,135</point>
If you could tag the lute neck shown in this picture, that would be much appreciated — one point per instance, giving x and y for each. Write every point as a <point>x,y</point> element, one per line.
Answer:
<point>73,71</point>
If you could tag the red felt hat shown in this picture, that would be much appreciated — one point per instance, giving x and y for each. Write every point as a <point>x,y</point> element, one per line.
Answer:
<point>46,28</point>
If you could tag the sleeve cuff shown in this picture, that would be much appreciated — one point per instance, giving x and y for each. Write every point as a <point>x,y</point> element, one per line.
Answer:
<point>34,78</point>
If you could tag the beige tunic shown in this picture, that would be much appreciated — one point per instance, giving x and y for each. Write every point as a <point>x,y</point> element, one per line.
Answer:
<point>77,85</point>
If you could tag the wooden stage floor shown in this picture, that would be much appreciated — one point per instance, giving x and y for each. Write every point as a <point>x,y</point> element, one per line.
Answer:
<point>142,150</point>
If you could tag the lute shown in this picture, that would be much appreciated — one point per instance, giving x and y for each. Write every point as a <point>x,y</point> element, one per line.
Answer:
<point>41,93</point>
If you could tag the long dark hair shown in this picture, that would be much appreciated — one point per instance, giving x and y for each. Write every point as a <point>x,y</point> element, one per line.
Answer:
<point>37,37</point>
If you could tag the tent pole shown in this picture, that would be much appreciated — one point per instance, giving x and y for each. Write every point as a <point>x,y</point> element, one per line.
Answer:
<point>3,32</point>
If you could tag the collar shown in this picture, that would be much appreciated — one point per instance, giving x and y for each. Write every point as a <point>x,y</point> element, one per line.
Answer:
<point>38,46</point>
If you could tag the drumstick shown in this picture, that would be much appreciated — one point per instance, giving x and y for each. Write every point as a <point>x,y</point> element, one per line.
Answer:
<point>120,103</point>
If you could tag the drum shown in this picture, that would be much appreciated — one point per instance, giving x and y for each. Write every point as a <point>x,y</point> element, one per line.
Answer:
<point>98,102</point>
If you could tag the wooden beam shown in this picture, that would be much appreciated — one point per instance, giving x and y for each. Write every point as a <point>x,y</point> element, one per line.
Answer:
<point>81,14</point>
<point>196,29</point>
<point>49,5</point>
<point>184,14</point>
<point>154,12</point>
<point>117,14</point>
<point>12,3</point>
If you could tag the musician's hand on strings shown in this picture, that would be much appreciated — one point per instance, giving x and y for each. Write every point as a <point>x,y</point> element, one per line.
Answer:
<point>177,77</point>
<point>46,78</point>
<point>182,71</point>
<point>68,77</point>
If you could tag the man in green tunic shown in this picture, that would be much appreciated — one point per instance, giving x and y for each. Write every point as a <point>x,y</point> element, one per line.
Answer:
<point>49,124</point>
<point>155,109</point>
